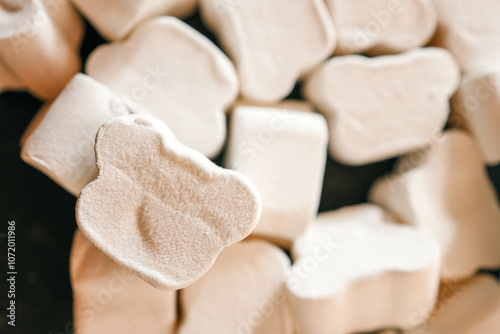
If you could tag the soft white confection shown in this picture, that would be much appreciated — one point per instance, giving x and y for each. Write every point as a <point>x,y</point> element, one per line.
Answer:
<point>446,191</point>
<point>470,30</point>
<point>39,42</point>
<point>272,42</point>
<point>159,208</point>
<point>180,76</point>
<point>356,270</point>
<point>109,299</point>
<point>381,107</point>
<point>242,293</point>
<point>474,308</point>
<point>60,140</point>
<point>477,105</point>
<point>283,152</point>
<point>382,26</point>
<point>115,19</point>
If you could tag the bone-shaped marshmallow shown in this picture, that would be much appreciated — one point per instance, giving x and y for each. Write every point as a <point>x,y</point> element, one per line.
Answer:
<point>476,106</point>
<point>187,84</point>
<point>470,30</point>
<point>159,208</point>
<point>115,19</point>
<point>246,283</point>
<point>382,26</point>
<point>60,140</point>
<point>446,191</point>
<point>473,307</point>
<point>39,41</point>
<point>378,108</point>
<point>109,299</point>
<point>357,271</point>
<point>283,152</point>
<point>272,42</point>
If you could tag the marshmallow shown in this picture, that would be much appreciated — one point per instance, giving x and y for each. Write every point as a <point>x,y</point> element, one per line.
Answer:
<point>187,84</point>
<point>242,293</point>
<point>477,104</point>
<point>382,26</point>
<point>159,208</point>
<point>283,152</point>
<point>378,108</point>
<point>446,191</point>
<point>473,307</point>
<point>109,299</point>
<point>470,30</point>
<point>356,271</point>
<point>39,41</point>
<point>272,42</point>
<point>60,139</point>
<point>115,19</point>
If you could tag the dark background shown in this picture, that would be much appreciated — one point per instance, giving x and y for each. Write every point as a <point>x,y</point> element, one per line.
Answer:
<point>45,218</point>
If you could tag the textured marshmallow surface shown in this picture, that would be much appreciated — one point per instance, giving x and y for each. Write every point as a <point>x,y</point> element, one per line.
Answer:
<point>382,26</point>
<point>159,208</point>
<point>38,46</point>
<point>472,308</point>
<point>115,19</point>
<point>241,293</point>
<point>477,104</point>
<point>470,30</point>
<point>283,152</point>
<point>404,102</point>
<point>357,271</point>
<point>272,42</point>
<point>177,74</point>
<point>109,299</point>
<point>60,140</point>
<point>449,194</point>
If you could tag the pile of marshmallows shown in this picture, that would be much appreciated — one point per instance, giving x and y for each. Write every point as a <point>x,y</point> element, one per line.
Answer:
<point>160,225</point>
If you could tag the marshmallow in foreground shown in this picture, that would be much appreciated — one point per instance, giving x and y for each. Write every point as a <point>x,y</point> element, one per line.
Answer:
<point>115,19</point>
<point>39,43</point>
<point>283,152</point>
<point>446,191</point>
<point>381,107</point>
<point>470,30</point>
<point>272,42</point>
<point>477,108</point>
<point>242,293</point>
<point>109,299</point>
<point>60,139</point>
<point>382,26</point>
<point>358,271</point>
<point>177,74</point>
<point>159,208</point>
<point>469,307</point>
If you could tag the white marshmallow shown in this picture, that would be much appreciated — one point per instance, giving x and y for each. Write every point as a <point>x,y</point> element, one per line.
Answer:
<point>382,26</point>
<point>159,208</point>
<point>446,191</point>
<point>378,108</point>
<point>39,41</point>
<point>477,104</point>
<point>60,140</point>
<point>177,74</point>
<point>283,152</point>
<point>272,42</point>
<point>109,299</point>
<point>474,307</point>
<point>242,293</point>
<point>357,271</point>
<point>470,30</point>
<point>115,19</point>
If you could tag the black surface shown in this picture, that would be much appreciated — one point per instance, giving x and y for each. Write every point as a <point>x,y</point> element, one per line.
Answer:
<point>45,221</point>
